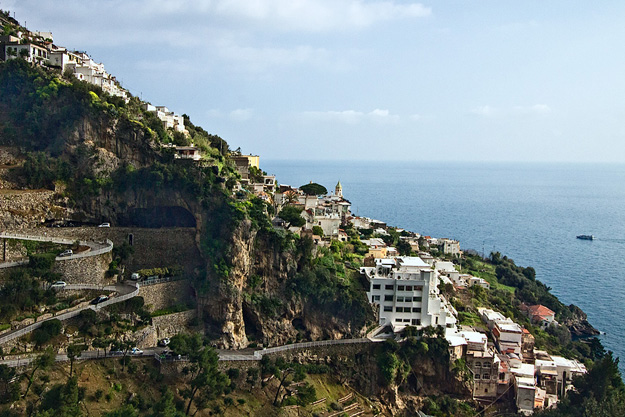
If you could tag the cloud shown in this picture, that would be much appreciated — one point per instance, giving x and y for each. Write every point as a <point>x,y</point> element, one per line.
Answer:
<point>241,115</point>
<point>259,59</point>
<point>319,15</point>
<point>351,116</point>
<point>484,111</point>
<point>215,113</point>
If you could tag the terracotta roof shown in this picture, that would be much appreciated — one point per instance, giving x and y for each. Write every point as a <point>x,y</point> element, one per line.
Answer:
<point>540,310</point>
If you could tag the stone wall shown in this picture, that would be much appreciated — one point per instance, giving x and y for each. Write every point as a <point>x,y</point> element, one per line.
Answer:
<point>12,250</point>
<point>153,248</point>
<point>324,353</point>
<point>166,294</point>
<point>172,324</point>
<point>88,270</point>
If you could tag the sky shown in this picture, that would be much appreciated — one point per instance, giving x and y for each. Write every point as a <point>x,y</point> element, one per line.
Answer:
<point>462,80</point>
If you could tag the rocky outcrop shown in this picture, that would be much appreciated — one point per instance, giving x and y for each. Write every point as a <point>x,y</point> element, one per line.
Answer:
<point>578,325</point>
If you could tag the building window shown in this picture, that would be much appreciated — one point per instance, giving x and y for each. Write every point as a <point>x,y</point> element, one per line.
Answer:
<point>486,364</point>
<point>416,309</point>
<point>388,287</point>
<point>417,299</point>
<point>376,286</point>
<point>388,298</point>
<point>388,308</point>
<point>478,364</point>
<point>477,376</point>
<point>400,288</point>
<point>397,320</point>
<point>408,287</point>
<point>486,376</point>
<point>399,309</point>
<point>408,299</point>
<point>375,298</point>
<point>418,288</point>
<point>400,299</point>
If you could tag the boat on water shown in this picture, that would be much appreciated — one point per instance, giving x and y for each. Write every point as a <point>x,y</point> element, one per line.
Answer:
<point>586,237</point>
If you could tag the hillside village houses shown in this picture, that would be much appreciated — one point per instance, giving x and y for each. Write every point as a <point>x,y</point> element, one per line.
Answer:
<point>169,118</point>
<point>38,48</point>
<point>404,289</point>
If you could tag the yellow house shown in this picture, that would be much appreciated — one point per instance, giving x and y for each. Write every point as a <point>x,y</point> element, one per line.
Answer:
<point>377,252</point>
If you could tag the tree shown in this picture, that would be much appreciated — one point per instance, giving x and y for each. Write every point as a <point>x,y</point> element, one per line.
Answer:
<point>313,189</point>
<point>403,247</point>
<point>126,411</point>
<point>101,343</point>
<point>42,362</point>
<point>124,346</point>
<point>47,331</point>
<point>317,230</point>
<point>70,399</point>
<point>74,351</point>
<point>9,390</point>
<point>292,215</point>
<point>204,375</point>
<point>165,407</point>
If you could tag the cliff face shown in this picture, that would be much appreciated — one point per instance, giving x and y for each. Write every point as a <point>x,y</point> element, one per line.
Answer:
<point>256,302</point>
<point>115,170</point>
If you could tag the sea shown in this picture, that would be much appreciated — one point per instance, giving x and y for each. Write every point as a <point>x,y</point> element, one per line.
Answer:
<point>530,212</point>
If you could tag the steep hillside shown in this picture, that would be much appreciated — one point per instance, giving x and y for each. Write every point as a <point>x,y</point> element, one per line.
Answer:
<point>105,160</point>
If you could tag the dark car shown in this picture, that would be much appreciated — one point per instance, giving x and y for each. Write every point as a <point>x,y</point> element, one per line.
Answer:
<point>99,299</point>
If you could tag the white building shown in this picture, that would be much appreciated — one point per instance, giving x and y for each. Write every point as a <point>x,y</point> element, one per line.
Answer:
<point>169,119</point>
<point>406,291</point>
<point>450,247</point>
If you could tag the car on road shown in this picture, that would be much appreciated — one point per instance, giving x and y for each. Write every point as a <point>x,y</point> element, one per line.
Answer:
<point>136,351</point>
<point>164,342</point>
<point>67,252</point>
<point>59,285</point>
<point>99,299</point>
<point>105,225</point>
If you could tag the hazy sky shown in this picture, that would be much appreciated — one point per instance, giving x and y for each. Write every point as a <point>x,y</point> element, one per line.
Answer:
<point>376,80</point>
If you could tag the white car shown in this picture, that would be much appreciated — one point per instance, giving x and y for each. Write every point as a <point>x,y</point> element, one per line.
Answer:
<point>136,351</point>
<point>59,285</point>
<point>67,252</point>
<point>164,342</point>
<point>105,225</point>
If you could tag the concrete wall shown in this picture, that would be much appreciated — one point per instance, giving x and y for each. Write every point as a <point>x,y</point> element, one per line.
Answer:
<point>166,294</point>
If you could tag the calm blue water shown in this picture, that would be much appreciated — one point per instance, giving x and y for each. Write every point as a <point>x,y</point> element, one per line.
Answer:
<point>529,212</point>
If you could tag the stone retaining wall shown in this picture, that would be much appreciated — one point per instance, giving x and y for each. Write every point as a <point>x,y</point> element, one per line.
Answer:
<point>89,270</point>
<point>166,294</point>
<point>172,324</point>
<point>153,248</point>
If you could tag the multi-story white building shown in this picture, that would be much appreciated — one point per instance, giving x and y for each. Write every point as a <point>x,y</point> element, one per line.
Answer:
<point>169,119</point>
<point>406,291</point>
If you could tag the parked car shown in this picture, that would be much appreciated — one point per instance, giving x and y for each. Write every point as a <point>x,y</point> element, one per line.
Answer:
<point>135,276</point>
<point>67,252</point>
<point>105,225</point>
<point>164,342</point>
<point>99,299</point>
<point>59,285</point>
<point>136,351</point>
